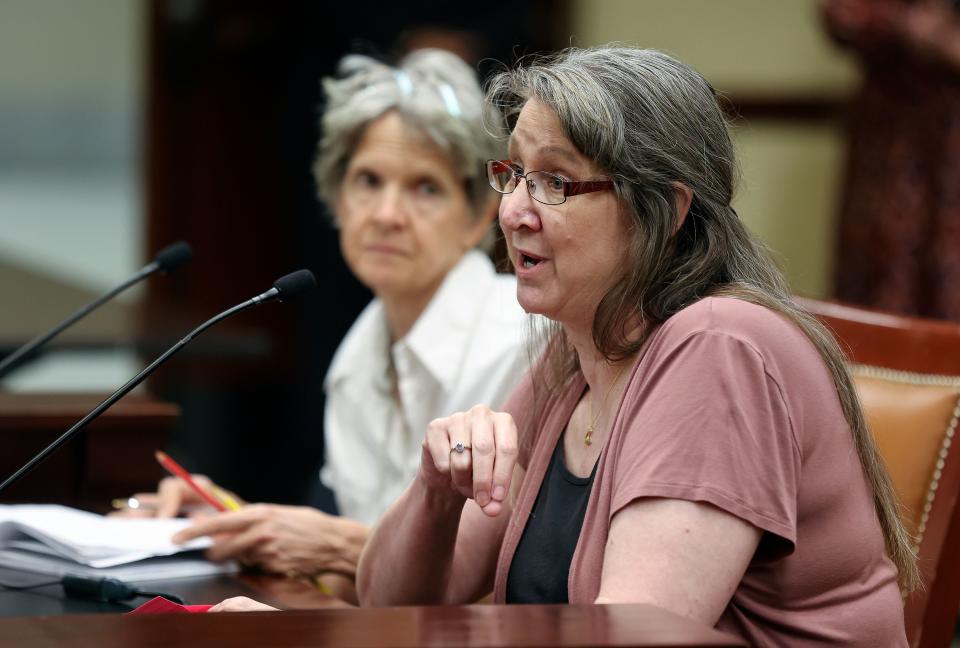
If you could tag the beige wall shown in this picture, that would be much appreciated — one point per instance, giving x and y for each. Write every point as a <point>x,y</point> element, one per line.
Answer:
<point>756,48</point>
<point>71,78</point>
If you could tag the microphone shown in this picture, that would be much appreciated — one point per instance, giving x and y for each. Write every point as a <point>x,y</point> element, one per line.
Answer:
<point>94,588</point>
<point>167,260</point>
<point>284,289</point>
<point>107,590</point>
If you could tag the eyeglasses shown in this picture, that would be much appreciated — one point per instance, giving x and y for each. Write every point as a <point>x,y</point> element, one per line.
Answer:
<point>546,188</point>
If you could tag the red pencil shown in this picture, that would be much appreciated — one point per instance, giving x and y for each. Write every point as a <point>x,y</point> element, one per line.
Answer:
<point>177,470</point>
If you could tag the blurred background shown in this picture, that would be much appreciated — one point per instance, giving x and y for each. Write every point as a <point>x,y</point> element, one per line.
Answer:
<point>126,125</point>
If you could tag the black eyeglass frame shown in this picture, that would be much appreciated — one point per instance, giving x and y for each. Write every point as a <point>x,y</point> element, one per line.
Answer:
<point>570,187</point>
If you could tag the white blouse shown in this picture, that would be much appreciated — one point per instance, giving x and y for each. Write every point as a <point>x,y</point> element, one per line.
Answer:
<point>466,348</point>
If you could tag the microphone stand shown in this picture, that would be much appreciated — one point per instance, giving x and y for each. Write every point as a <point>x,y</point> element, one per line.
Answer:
<point>167,260</point>
<point>133,382</point>
<point>8,363</point>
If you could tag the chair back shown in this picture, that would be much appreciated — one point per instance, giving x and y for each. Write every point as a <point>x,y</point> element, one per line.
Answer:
<point>906,374</point>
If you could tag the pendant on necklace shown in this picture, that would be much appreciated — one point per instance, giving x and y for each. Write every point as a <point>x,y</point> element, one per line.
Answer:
<point>588,437</point>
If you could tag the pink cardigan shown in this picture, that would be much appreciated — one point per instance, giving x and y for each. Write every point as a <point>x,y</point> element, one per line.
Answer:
<point>730,404</point>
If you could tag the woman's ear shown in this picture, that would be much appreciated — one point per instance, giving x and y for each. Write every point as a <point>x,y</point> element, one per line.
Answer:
<point>682,198</point>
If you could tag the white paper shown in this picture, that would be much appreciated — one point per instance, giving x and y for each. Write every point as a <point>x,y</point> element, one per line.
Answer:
<point>37,558</point>
<point>90,539</point>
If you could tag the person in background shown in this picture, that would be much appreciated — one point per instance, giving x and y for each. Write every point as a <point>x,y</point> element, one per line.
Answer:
<point>401,163</point>
<point>899,229</point>
<point>691,438</point>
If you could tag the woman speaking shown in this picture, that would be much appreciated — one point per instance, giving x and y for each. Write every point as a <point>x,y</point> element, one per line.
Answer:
<point>691,438</point>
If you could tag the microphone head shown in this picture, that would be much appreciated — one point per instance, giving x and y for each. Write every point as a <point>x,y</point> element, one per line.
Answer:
<point>173,256</point>
<point>292,285</point>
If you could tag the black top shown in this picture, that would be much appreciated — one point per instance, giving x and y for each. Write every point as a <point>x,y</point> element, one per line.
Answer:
<point>538,573</point>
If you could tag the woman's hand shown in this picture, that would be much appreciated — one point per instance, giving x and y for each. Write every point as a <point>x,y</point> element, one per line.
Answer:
<point>173,497</point>
<point>241,604</point>
<point>290,540</point>
<point>472,455</point>
<point>433,545</point>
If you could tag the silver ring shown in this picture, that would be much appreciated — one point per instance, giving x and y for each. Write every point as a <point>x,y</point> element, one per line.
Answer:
<point>459,447</point>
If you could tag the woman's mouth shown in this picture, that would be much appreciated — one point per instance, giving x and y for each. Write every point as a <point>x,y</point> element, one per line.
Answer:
<point>380,248</point>
<point>528,261</point>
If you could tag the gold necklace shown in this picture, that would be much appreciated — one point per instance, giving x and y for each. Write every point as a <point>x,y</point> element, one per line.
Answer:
<point>588,437</point>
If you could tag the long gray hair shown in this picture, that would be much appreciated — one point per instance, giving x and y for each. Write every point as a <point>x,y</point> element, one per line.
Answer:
<point>431,89</point>
<point>650,121</point>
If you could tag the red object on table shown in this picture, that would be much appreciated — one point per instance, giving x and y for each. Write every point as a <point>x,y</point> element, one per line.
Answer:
<point>160,605</point>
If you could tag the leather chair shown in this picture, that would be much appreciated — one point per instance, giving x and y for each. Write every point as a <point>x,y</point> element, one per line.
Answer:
<point>906,371</point>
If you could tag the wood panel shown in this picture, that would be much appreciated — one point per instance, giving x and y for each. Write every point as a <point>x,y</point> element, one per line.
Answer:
<point>489,626</point>
<point>112,457</point>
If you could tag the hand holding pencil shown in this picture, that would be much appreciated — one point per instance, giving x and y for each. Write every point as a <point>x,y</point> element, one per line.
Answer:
<point>296,541</point>
<point>209,493</point>
<point>179,493</point>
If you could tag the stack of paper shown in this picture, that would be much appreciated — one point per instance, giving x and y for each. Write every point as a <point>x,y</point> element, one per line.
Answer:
<point>56,540</point>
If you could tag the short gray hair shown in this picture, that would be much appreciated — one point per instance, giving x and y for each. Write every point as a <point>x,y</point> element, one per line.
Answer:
<point>431,89</point>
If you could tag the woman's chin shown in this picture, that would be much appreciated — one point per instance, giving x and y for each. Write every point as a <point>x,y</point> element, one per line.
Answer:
<point>383,281</point>
<point>532,305</point>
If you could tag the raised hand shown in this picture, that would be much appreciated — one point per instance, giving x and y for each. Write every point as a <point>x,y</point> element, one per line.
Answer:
<point>472,454</point>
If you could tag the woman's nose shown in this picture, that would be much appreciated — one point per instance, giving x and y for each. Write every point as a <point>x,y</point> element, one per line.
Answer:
<point>390,209</point>
<point>518,209</point>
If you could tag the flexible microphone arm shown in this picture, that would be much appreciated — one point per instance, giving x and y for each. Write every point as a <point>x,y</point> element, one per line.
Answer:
<point>167,260</point>
<point>284,288</point>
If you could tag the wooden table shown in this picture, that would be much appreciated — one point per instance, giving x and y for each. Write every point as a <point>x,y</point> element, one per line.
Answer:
<point>44,618</point>
<point>531,626</point>
<point>284,593</point>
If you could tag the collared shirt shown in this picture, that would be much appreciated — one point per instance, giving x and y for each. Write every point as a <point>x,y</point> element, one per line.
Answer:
<point>466,348</point>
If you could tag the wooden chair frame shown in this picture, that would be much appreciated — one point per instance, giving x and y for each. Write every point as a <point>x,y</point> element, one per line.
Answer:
<point>932,348</point>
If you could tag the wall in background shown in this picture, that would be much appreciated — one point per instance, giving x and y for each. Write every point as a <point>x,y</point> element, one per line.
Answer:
<point>758,50</point>
<point>71,79</point>
<point>71,86</point>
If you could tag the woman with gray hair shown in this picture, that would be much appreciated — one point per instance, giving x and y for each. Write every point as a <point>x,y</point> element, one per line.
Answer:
<point>401,164</point>
<point>691,437</point>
